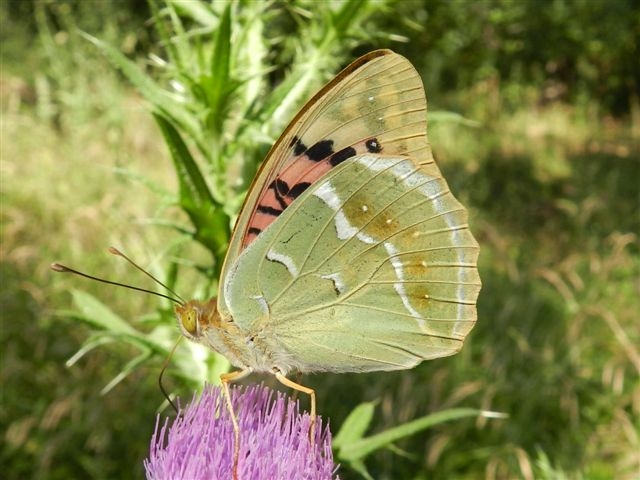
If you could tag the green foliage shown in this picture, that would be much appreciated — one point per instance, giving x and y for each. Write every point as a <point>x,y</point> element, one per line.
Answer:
<point>567,50</point>
<point>551,181</point>
<point>352,447</point>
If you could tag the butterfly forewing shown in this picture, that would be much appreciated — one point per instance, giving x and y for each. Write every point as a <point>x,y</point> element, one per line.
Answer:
<point>376,104</point>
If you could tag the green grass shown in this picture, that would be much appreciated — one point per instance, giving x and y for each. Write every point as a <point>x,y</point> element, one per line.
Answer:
<point>553,195</point>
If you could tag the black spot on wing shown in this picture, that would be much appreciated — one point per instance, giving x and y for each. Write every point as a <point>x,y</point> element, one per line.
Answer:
<point>279,186</point>
<point>255,230</point>
<point>280,189</point>
<point>320,150</point>
<point>298,147</point>
<point>339,157</point>
<point>373,146</point>
<point>298,188</point>
<point>269,210</point>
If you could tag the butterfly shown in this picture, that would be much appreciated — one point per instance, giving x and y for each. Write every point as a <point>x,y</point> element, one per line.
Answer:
<point>350,253</point>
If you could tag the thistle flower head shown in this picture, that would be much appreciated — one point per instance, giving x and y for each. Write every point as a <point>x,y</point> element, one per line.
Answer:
<point>274,440</point>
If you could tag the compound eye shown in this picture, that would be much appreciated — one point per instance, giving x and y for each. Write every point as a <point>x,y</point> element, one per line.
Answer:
<point>189,320</point>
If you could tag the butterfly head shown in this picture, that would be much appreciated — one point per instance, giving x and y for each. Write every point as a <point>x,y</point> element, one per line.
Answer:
<point>194,316</point>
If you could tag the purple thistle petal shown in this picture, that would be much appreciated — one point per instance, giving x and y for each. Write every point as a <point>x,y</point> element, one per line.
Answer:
<point>274,440</point>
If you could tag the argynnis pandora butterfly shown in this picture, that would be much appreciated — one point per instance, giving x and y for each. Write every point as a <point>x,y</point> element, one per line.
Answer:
<point>350,253</point>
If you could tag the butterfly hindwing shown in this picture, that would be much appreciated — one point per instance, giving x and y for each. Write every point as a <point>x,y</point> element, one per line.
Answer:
<point>372,268</point>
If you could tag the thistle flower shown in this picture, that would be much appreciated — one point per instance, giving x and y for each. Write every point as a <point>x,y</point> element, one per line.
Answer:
<point>274,440</point>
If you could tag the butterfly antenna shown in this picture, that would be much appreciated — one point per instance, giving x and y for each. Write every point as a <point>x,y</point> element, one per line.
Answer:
<point>57,267</point>
<point>115,251</point>
<point>165,364</point>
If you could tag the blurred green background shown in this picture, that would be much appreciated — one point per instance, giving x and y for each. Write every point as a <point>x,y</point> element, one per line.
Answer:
<point>534,120</point>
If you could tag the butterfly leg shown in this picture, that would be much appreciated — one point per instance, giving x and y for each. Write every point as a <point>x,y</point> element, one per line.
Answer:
<point>227,378</point>
<point>312,395</point>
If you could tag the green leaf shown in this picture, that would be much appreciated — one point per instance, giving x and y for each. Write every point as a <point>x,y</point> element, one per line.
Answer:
<point>156,95</point>
<point>359,449</point>
<point>98,314</point>
<point>93,342</point>
<point>220,64</point>
<point>195,198</point>
<point>194,191</point>
<point>350,10</point>
<point>124,373</point>
<point>360,467</point>
<point>159,12</point>
<point>444,116</point>
<point>199,12</point>
<point>355,425</point>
